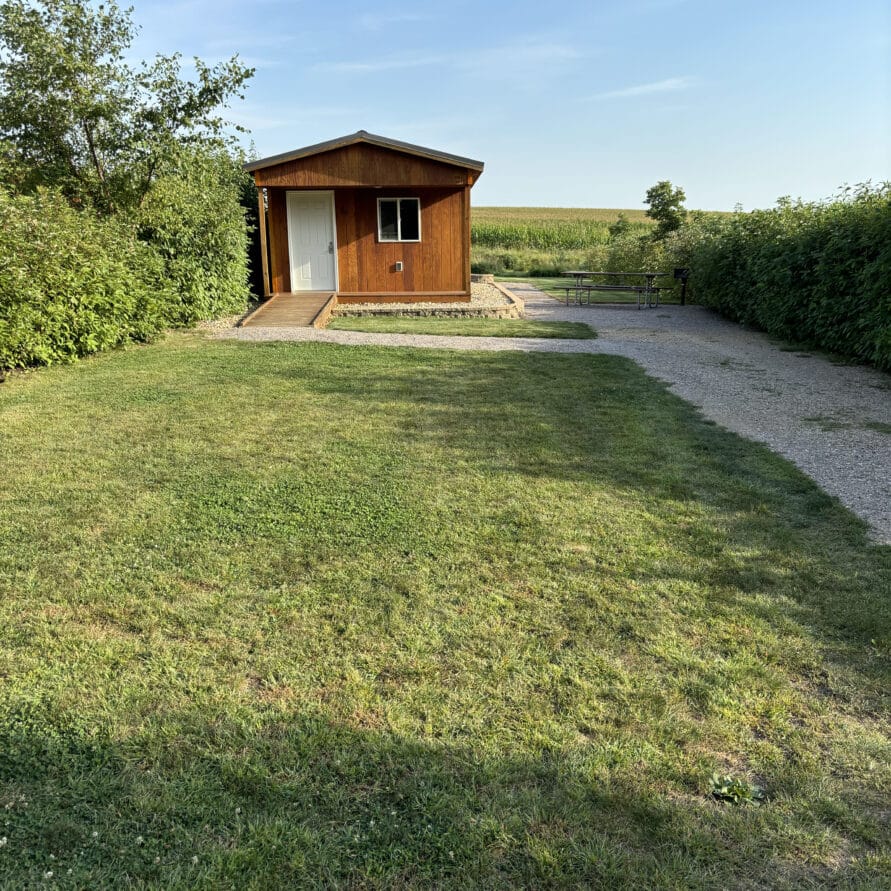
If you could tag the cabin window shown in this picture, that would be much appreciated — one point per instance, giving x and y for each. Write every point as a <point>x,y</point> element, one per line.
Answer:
<point>399,219</point>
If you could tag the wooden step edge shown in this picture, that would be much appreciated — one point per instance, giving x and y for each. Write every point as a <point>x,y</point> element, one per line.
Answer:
<point>323,316</point>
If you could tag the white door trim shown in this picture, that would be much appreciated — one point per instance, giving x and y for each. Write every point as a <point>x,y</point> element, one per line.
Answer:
<point>329,194</point>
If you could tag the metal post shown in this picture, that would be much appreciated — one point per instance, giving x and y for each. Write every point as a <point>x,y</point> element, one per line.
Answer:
<point>681,274</point>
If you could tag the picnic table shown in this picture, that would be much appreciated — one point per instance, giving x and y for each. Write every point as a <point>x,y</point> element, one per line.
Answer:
<point>647,293</point>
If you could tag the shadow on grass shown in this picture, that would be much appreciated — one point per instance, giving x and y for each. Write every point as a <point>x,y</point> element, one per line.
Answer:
<point>601,420</point>
<point>267,794</point>
<point>303,802</point>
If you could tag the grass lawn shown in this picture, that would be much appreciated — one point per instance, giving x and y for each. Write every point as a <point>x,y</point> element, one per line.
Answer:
<point>555,285</point>
<point>296,615</point>
<point>463,327</point>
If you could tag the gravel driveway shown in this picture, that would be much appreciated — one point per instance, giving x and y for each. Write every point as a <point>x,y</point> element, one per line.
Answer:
<point>833,421</point>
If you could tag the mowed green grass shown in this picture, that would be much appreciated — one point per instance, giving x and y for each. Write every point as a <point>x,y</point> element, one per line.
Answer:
<point>281,615</point>
<point>463,327</point>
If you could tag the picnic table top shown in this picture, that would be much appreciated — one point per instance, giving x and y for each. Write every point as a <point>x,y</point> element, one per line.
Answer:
<point>578,272</point>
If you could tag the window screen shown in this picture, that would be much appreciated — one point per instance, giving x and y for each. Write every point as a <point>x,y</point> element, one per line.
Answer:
<point>399,219</point>
<point>409,219</point>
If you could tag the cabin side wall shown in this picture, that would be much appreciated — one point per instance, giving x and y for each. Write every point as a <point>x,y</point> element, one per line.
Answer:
<point>279,258</point>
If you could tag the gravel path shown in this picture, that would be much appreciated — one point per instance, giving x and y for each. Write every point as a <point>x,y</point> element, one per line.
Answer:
<point>833,421</point>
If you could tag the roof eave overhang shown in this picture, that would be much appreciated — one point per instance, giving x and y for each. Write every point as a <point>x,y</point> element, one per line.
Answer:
<point>369,139</point>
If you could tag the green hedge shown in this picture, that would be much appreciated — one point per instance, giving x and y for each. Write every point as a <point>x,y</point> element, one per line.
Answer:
<point>72,283</point>
<point>194,219</point>
<point>813,273</point>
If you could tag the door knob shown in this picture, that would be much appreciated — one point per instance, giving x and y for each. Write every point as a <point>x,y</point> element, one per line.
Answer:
<point>330,247</point>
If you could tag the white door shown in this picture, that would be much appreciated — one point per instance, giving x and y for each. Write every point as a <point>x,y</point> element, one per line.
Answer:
<point>311,241</point>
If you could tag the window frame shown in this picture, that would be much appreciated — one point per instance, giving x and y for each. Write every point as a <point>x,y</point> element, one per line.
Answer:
<point>399,239</point>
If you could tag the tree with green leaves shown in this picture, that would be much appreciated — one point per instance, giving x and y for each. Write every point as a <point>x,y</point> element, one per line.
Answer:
<point>620,227</point>
<point>75,115</point>
<point>127,173</point>
<point>665,205</point>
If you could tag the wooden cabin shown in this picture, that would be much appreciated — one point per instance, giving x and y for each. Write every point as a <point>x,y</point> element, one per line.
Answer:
<point>366,218</point>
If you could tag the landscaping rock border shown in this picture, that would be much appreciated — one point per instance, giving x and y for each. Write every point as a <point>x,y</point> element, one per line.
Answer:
<point>489,300</point>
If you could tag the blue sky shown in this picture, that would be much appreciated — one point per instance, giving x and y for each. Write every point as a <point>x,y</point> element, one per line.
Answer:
<point>569,103</point>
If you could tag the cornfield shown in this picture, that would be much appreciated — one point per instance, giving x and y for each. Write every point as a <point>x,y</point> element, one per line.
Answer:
<point>560,214</point>
<point>550,228</point>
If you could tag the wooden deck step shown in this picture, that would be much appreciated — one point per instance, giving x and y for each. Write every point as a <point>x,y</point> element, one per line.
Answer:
<point>288,310</point>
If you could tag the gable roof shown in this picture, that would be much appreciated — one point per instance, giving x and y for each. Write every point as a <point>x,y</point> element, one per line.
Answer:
<point>371,139</point>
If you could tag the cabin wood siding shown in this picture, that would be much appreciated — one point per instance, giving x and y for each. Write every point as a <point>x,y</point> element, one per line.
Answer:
<point>359,173</point>
<point>362,165</point>
<point>436,263</point>
<point>279,256</point>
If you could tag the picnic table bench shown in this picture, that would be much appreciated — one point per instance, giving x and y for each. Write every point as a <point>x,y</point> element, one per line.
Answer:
<point>647,292</point>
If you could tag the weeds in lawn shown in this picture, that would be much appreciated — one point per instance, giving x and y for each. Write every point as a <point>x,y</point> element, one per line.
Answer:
<point>736,790</point>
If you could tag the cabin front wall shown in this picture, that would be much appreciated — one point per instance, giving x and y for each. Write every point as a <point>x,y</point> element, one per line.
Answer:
<point>437,267</point>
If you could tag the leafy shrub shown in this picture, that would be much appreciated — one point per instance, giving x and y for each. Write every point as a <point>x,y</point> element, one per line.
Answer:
<point>72,283</point>
<point>155,234</point>
<point>818,273</point>
<point>621,227</point>
<point>524,262</point>
<point>194,219</point>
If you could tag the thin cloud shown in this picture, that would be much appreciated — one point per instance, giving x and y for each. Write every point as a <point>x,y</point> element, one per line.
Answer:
<point>394,63</point>
<point>499,59</point>
<point>516,56</point>
<point>669,85</point>
<point>250,41</point>
<point>377,22</point>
